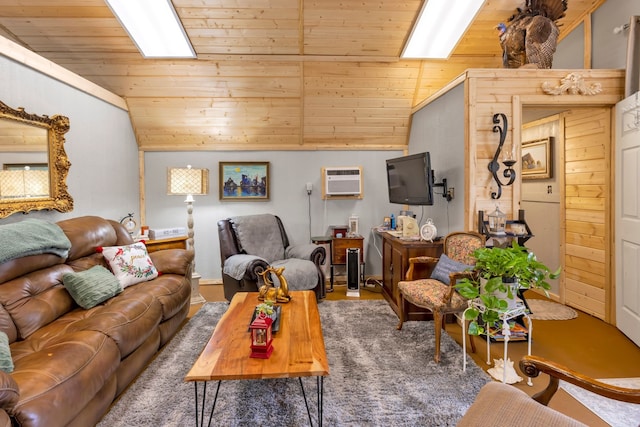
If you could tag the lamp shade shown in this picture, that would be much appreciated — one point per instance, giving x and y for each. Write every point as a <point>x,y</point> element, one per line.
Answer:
<point>24,183</point>
<point>187,181</point>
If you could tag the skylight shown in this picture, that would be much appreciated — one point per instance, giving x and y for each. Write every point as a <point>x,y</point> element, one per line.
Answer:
<point>154,27</point>
<point>439,27</point>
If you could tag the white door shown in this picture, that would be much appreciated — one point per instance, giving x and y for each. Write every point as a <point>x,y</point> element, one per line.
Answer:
<point>628,216</point>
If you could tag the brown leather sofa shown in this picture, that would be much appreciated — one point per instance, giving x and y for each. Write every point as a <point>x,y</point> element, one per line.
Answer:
<point>71,363</point>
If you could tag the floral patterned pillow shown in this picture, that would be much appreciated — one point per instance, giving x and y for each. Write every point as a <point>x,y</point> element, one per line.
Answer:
<point>130,264</point>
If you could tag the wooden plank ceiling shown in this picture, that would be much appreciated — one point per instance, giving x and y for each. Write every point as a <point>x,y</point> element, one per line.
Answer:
<point>270,74</point>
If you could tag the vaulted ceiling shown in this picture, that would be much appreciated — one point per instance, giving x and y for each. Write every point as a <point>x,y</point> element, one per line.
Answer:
<point>270,74</point>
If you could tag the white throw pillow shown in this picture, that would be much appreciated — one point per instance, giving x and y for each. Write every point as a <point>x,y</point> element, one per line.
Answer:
<point>130,264</point>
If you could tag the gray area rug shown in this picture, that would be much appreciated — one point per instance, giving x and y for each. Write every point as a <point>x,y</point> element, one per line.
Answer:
<point>378,376</point>
<point>613,412</point>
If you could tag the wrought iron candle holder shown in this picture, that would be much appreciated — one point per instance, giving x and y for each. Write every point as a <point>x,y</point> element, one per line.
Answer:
<point>494,165</point>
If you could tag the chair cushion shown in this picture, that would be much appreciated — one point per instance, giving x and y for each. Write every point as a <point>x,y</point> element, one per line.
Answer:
<point>300,274</point>
<point>430,293</point>
<point>503,405</point>
<point>447,265</point>
<point>259,235</point>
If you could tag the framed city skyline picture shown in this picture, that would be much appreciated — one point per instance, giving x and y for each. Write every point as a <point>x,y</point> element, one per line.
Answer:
<point>244,181</point>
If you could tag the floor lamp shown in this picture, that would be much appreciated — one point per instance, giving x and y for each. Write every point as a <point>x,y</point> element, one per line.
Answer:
<point>189,182</point>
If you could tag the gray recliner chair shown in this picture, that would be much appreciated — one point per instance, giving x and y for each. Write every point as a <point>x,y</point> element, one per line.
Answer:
<point>250,243</point>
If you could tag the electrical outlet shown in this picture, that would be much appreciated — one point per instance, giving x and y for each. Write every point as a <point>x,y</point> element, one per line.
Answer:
<point>450,193</point>
<point>309,187</point>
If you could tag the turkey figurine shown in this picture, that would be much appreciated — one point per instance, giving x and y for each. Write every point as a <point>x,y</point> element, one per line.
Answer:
<point>529,40</point>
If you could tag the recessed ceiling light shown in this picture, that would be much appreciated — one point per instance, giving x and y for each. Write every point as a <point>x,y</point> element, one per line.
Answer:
<point>154,27</point>
<point>439,27</point>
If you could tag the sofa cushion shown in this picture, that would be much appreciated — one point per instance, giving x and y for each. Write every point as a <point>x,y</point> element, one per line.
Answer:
<point>6,362</point>
<point>168,289</point>
<point>127,320</point>
<point>130,264</point>
<point>91,287</point>
<point>21,266</point>
<point>86,234</point>
<point>58,377</point>
<point>35,300</point>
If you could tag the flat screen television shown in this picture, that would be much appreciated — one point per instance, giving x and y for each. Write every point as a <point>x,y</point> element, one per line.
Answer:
<point>410,179</point>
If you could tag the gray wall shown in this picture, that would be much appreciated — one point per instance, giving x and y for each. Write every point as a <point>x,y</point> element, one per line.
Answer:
<point>438,129</point>
<point>103,179</point>
<point>303,216</point>
<point>609,50</point>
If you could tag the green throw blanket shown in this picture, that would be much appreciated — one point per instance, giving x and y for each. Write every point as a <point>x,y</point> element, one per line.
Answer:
<point>32,237</point>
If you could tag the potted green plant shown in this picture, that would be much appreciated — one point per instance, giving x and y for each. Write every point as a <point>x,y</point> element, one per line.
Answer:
<point>268,309</point>
<point>499,274</point>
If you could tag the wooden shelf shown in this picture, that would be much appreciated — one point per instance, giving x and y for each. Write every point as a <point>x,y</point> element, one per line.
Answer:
<point>483,228</point>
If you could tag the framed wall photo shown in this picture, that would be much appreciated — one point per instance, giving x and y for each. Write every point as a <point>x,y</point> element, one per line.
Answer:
<point>244,181</point>
<point>537,160</point>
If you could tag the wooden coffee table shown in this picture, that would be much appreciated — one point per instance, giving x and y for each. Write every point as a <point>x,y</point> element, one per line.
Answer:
<point>298,348</point>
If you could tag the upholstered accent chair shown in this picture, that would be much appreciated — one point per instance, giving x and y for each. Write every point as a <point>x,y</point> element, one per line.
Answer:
<point>437,293</point>
<point>503,405</point>
<point>251,243</point>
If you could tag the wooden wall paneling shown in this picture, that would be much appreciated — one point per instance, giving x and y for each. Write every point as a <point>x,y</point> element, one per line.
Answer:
<point>492,91</point>
<point>586,205</point>
<point>588,299</point>
<point>242,47</point>
<point>350,28</point>
<point>358,103</point>
<point>589,278</point>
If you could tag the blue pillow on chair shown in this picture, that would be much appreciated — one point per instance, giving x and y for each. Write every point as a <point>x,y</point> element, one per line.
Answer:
<point>447,265</point>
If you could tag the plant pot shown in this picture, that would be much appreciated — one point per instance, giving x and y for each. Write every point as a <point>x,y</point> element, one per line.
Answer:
<point>512,302</point>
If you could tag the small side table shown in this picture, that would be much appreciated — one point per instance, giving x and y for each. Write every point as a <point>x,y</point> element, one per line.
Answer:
<point>339,246</point>
<point>170,243</point>
<point>519,310</point>
<point>325,242</point>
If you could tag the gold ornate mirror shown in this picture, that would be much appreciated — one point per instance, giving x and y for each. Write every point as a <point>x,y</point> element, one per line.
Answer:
<point>34,165</point>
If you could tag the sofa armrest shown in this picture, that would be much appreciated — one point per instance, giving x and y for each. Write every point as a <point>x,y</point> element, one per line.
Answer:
<point>9,393</point>
<point>244,266</point>
<point>173,261</point>
<point>533,365</point>
<point>428,260</point>
<point>307,251</point>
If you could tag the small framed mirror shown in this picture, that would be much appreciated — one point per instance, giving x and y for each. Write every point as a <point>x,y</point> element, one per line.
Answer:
<point>34,165</point>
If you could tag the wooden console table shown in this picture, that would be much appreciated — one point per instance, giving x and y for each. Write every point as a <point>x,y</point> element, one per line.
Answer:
<point>395,262</point>
<point>170,243</point>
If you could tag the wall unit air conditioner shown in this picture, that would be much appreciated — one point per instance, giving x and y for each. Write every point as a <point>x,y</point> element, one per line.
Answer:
<point>342,181</point>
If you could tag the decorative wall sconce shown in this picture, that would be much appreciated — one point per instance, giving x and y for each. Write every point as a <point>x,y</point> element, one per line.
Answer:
<point>494,165</point>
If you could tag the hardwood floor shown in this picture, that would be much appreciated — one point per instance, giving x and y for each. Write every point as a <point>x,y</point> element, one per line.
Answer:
<point>585,344</point>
